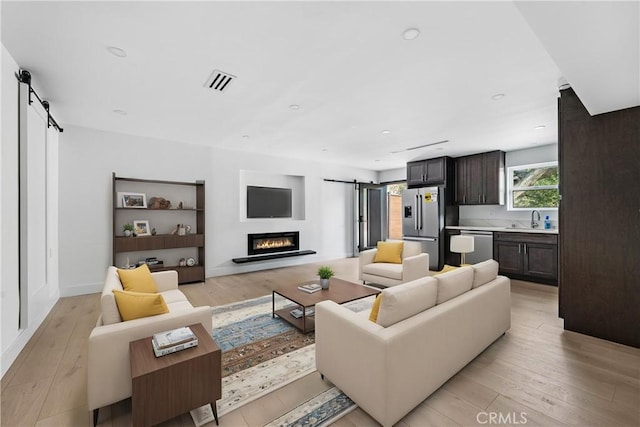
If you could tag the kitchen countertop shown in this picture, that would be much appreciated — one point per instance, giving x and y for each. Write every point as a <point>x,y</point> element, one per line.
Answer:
<point>507,229</point>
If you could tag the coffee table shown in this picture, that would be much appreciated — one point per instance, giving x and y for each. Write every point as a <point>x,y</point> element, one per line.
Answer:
<point>340,291</point>
<point>167,386</point>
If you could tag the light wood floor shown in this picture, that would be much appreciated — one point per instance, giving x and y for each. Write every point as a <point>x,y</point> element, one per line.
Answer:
<point>552,376</point>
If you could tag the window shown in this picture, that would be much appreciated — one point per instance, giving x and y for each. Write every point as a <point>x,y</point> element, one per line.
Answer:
<point>533,186</point>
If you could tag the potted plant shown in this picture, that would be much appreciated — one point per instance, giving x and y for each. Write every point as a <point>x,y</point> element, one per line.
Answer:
<point>325,273</point>
<point>128,229</point>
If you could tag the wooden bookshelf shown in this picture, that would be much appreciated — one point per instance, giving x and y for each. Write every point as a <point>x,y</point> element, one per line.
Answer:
<point>163,243</point>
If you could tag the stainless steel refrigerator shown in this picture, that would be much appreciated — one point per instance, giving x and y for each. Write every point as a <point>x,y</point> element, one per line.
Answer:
<point>423,216</point>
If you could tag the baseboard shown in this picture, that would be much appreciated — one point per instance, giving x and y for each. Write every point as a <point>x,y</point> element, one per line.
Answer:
<point>85,289</point>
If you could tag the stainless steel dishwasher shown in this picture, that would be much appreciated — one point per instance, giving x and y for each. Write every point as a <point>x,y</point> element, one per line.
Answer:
<point>482,246</point>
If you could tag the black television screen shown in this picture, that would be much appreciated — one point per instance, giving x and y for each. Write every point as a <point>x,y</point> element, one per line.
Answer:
<point>268,202</point>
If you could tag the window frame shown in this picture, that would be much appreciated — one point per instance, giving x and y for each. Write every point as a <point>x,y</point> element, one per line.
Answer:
<point>511,188</point>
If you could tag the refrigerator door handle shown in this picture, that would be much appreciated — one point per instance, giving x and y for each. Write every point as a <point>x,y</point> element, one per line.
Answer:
<point>415,212</point>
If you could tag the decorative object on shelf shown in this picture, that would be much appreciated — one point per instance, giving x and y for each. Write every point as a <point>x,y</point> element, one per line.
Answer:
<point>128,229</point>
<point>141,228</point>
<point>181,230</point>
<point>180,205</point>
<point>325,273</point>
<point>187,229</point>
<point>182,262</point>
<point>159,203</point>
<point>153,231</point>
<point>191,262</point>
<point>134,200</point>
<point>175,230</point>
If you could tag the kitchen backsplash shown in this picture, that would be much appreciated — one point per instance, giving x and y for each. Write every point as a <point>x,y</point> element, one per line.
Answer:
<point>499,216</point>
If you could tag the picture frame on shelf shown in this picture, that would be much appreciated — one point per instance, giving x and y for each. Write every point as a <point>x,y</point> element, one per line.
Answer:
<point>134,200</point>
<point>141,227</point>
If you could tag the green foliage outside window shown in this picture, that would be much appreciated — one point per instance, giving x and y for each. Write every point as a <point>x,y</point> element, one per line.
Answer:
<point>535,186</point>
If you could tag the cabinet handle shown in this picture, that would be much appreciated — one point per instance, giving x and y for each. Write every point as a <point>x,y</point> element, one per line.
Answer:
<point>525,248</point>
<point>519,248</point>
<point>464,199</point>
<point>479,198</point>
<point>484,198</point>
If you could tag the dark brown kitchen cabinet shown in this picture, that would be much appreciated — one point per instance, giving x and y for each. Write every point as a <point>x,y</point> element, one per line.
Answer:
<point>527,256</point>
<point>428,172</point>
<point>480,179</point>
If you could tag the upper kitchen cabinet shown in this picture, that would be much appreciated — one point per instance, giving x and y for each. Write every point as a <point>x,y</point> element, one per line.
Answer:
<point>424,173</point>
<point>480,179</point>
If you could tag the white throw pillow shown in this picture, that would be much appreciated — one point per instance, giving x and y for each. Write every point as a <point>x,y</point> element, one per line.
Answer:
<point>484,272</point>
<point>403,301</point>
<point>453,283</point>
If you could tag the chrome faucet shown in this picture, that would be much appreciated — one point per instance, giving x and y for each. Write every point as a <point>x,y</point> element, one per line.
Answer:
<point>534,222</point>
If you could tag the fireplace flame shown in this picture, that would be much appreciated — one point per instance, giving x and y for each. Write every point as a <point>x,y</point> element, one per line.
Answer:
<point>274,243</point>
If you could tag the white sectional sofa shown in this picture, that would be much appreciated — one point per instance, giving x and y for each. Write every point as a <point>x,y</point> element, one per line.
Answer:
<point>108,365</point>
<point>426,331</point>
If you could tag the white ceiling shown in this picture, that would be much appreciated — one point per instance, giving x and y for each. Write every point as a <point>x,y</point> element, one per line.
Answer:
<point>344,63</point>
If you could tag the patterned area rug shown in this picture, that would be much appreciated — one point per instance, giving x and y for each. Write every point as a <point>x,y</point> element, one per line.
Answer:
<point>261,354</point>
<point>320,411</point>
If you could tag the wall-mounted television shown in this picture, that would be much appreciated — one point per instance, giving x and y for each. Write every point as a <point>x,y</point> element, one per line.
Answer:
<point>268,202</point>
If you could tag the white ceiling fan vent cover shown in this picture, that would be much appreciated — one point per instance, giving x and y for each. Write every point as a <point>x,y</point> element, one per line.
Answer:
<point>219,80</point>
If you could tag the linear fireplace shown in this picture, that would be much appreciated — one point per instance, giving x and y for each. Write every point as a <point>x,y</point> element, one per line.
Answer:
<point>266,243</point>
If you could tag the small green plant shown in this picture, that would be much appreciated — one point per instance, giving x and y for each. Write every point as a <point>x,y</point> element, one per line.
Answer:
<point>127,227</point>
<point>325,272</point>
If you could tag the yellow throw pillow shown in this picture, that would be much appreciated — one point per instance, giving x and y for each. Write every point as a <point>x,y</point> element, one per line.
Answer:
<point>445,269</point>
<point>390,252</point>
<point>375,308</point>
<point>134,305</point>
<point>138,280</point>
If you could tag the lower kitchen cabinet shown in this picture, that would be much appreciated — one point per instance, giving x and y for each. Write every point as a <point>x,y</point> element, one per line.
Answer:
<point>527,256</point>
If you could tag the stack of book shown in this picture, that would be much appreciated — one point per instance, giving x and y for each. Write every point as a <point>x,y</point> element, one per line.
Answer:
<point>297,313</point>
<point>310,288</point>
<point>174,340</point>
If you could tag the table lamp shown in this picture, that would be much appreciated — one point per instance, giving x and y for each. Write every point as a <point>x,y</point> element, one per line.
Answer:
<point>462,245</point>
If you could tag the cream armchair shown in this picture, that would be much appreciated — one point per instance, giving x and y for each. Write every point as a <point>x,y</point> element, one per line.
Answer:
<point>414,266</point>
<point>108,365</point>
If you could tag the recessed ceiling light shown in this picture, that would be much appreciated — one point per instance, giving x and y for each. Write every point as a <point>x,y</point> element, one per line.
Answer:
<point>294,107</point>
<point>245,137</point>
<point>121,112</point>
<point>410,34</point>
<point>325,149</point>
<point>116,51</point>
<point>498,96</point>
<point>386,132</point>
<point>539,127</point>
<point>377,160</point>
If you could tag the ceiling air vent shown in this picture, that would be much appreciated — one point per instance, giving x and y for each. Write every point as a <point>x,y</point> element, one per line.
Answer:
<point>421,146</point>
<point>219,80</point>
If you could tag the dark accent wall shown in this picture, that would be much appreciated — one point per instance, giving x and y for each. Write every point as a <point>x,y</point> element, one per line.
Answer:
<point>599,158</point>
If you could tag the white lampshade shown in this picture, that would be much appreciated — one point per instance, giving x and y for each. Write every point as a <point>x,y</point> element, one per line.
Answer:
<point>462,245</point>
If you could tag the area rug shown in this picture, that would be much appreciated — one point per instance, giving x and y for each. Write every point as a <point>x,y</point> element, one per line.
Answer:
<point>320,411</point>
<point>261,354</point>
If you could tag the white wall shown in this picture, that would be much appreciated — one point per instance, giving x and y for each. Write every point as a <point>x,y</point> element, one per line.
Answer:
<point>9,301</point>
<point>88,157</point>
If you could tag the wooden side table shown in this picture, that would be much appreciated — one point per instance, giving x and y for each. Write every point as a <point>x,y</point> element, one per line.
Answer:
<point>167,386</point>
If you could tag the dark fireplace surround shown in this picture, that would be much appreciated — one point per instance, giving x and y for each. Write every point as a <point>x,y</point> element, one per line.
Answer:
<point>271,246</point>
<point>268,243</point>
